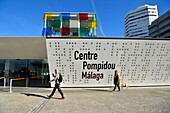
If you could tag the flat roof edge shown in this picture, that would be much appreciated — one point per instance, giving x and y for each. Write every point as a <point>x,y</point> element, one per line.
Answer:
<point>108,38</point>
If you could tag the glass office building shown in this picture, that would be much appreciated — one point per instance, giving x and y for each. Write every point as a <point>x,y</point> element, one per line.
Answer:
<point>136,22</point>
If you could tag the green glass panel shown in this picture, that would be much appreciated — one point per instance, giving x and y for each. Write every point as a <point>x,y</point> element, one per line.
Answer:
<point>55,23</point>
<point>94,16</point>
<point>78,31</point>
<point>84,31</point>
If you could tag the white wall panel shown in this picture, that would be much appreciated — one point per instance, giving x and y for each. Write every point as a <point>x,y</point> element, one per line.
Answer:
<point>139,62</point>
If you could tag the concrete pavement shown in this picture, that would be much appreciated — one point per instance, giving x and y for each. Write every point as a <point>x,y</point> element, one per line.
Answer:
<point>86,100</point>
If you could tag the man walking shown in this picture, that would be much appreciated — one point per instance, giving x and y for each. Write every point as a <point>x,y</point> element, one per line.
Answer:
<point>57,85</point>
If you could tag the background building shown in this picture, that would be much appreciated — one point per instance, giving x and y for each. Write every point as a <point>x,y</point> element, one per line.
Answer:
<point>136,21</point>
<point>161,26</point>
<point>69,24</point>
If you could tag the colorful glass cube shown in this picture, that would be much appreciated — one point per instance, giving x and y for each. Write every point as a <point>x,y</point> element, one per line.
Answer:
<point>69,24</point>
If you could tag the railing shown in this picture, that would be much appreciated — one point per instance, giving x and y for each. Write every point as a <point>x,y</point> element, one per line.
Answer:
<point>27,81</point>
<point>15,79</point>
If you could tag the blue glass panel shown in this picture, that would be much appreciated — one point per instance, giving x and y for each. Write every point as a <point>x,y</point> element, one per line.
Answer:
<point>44,32</point>
<point>48,31</point>
<point>65,16</point>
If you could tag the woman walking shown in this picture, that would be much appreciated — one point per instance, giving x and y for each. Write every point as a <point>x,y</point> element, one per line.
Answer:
<point>116,80</point>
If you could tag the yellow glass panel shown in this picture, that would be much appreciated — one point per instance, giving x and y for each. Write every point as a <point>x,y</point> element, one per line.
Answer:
<point>89,23</point>
<point>93,24</point>
<point>47,16</point>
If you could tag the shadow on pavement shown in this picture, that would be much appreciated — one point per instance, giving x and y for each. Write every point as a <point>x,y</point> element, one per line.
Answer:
<point>36,95</point>
<point>101,90</point>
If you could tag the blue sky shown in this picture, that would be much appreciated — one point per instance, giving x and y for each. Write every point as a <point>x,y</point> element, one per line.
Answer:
<point>24,17</point>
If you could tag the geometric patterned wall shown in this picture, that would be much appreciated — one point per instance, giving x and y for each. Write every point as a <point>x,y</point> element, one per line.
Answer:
<point>91,62</point>
<point>69,24</point>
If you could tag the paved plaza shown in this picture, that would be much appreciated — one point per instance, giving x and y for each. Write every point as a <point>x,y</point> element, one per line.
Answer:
<point>86,100</point>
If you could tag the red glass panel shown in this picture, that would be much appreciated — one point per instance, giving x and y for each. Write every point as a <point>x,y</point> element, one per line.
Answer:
<point>65,31</point>
<point>83,16</point>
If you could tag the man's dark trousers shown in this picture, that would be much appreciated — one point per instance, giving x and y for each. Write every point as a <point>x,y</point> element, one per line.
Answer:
<point>57,86</point>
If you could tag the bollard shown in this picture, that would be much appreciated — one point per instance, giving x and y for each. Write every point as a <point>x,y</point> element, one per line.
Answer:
<point>10,86</point>
<point>4,82</point>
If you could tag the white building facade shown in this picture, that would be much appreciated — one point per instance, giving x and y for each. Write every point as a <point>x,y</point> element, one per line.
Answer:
<point>84,61</point>
<point>136,22</point>
<point>91,62</point>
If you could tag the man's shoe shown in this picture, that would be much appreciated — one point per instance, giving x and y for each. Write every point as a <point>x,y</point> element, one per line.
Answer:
<point>48,96</point>
<point>62,98</point>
